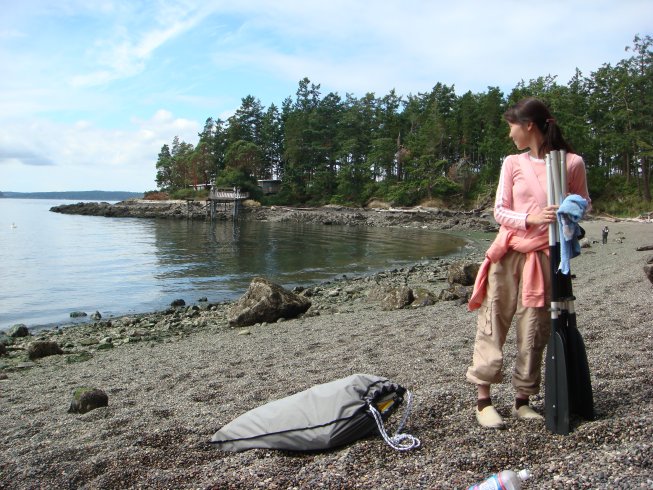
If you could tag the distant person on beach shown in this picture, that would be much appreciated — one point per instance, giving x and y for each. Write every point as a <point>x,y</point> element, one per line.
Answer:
<point>604,233</point>
<point>514,280</point>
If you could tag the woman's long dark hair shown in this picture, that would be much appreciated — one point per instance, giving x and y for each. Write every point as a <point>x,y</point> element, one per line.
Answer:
<point>534,110</point>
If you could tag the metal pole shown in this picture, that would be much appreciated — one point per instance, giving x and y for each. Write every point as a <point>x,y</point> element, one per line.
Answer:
<point>556,402</point>
<point>563,174</point>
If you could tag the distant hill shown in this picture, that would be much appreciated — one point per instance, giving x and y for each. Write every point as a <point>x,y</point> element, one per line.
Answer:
<point>74,195</point>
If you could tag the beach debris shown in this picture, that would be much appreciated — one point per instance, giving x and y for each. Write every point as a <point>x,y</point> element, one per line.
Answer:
<point>265,301</point>
<point>86,399</point>
<point>43,348</point>
<point>18,330</point>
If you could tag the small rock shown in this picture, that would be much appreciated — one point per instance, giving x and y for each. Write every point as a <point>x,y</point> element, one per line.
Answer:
<point>43,348</point>
<point>86,399</point>
<point>105,343</point>
<point>77,314</point>
<point>79,357</point>
<point>397,298</point>
<point>18,330</point>
<point>456,292</point>
<point>178,302</point>
<point>463,272</point>
<point>423,297</point>
<point>96,316</point>
<point>648,270</point>
<point>88,342</point>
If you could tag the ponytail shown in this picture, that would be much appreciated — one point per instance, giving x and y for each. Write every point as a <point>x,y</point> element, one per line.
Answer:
<point>553,139</point>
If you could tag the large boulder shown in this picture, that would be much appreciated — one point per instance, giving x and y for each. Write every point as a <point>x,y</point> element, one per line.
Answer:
<point>265,301</point>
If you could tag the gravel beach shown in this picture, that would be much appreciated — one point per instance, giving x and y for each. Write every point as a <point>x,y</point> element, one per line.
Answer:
<point>168,394</point>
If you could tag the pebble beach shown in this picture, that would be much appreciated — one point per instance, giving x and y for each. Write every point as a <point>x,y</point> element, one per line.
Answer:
<point>170,392</point>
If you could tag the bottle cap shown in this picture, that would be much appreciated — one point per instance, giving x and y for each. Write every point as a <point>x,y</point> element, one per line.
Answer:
<point>524,474</point>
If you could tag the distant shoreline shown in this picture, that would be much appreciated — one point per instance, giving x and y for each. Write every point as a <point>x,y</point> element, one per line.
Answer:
<point>418,216</point>
<point>74,195</point>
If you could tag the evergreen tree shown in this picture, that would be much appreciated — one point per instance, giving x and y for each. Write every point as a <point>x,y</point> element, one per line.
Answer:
<point>164,170</point>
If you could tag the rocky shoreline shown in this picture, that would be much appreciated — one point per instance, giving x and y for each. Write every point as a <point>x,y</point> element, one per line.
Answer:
<point>174,377</point>
<point>442,219</point>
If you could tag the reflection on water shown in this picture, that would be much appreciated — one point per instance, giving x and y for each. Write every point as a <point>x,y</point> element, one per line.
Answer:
<point>224,256</point>
<point>54,264</point>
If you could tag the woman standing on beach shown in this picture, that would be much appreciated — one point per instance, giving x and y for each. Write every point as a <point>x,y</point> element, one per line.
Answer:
<point>514,280</point>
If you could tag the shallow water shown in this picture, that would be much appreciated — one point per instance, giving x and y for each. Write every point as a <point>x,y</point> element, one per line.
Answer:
<point>53,264</point>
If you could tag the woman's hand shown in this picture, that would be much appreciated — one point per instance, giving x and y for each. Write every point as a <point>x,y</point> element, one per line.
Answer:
<point>547,216</point>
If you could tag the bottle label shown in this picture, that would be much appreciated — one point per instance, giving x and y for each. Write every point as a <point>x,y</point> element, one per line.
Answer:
<point>492,483</point>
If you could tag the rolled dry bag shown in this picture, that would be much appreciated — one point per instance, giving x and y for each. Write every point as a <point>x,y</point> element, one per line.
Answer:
<point>324,416</point>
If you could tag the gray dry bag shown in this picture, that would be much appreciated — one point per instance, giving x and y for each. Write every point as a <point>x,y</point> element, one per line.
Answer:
<point>324,416</point>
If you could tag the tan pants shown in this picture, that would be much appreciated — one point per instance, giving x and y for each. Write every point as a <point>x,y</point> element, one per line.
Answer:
<point>501,303</point>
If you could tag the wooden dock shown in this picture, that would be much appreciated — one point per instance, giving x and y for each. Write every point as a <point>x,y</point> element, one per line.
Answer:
<point>226,197</point>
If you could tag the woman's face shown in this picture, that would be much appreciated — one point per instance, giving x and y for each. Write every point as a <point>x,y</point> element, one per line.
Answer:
<point>520,135</point>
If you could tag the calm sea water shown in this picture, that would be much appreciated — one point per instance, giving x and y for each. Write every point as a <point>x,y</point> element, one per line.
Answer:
<point>53,264</point>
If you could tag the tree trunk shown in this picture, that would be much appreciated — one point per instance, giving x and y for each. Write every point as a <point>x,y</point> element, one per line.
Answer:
<point>646,179</point>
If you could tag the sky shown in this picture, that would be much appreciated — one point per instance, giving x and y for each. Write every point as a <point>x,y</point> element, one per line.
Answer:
<point>90,90</point>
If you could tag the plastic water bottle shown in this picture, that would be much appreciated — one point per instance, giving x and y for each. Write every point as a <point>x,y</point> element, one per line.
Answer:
<point>504,480</point>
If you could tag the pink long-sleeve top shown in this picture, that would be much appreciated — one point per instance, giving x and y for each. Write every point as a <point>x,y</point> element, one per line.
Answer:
<point>522,191</point>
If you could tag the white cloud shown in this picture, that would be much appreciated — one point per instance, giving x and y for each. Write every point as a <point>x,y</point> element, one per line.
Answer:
<point>125,50</point>
<point>81,156</point>
<point>412,45</point>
